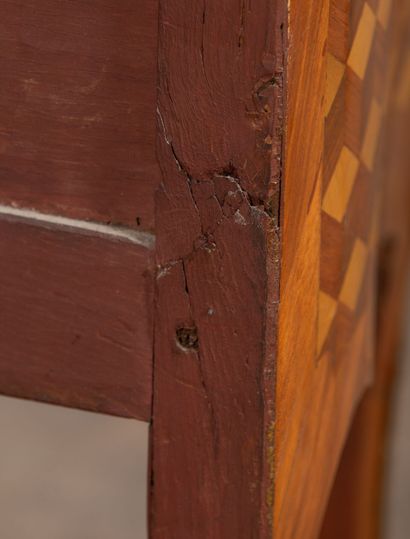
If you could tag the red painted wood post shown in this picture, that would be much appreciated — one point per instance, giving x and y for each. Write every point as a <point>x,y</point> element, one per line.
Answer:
<point>219,147</point>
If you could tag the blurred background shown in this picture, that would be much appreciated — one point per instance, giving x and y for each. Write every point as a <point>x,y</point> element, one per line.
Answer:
<point>69,474</point>
<point>397,501</point>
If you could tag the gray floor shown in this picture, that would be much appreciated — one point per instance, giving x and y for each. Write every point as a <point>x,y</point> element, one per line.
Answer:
<point>66,474</point>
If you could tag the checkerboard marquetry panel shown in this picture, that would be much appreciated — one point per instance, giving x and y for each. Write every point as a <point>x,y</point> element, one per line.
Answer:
<point>353,118</point>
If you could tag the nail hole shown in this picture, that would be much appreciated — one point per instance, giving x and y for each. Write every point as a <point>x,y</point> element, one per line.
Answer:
<point>187,338</point>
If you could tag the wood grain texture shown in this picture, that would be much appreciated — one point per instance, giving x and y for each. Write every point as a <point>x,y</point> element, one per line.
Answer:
<point>296,393</point>
<point>77,115</point>
<point>319,387</point>
<point>261,168</point>
<point>76,319</point>
<point>220,126</point>
<point>314,399</point>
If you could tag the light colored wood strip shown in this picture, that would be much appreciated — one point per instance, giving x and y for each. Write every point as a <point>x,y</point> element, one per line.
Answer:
<point>327,311</point>
<point>371,135</point>
<point>354,276</point>
<point>383,12</point>
<point>340,186</point>
<point>359,55</point>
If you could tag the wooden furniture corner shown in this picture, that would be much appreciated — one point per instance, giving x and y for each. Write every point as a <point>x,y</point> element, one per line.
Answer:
<point>204,226</point>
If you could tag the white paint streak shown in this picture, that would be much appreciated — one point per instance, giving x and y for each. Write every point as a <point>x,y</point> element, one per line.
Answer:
<point>239,218</point>
<point>145,239</point>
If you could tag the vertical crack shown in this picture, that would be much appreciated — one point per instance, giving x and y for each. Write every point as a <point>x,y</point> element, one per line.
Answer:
<point>197,351</point>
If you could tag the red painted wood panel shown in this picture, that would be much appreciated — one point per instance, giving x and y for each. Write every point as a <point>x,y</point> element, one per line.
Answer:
<point>75,318</point>
<point>77,115</point>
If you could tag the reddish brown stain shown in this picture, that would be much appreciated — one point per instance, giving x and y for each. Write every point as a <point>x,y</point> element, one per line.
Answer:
<point>76,319</point>
<point>219,144</point>
<point>78,99</point>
